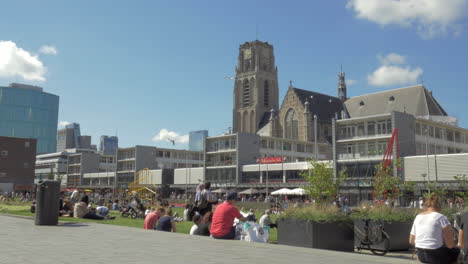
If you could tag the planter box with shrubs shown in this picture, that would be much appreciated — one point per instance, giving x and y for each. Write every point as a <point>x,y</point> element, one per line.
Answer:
<point>321,228</point>
<point>397,224</point>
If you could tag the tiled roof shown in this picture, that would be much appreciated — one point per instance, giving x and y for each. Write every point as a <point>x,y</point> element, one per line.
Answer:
<point>415,100</point>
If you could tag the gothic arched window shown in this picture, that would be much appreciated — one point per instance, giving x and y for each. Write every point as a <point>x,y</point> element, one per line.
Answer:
<point>291,124</point>
<point>266,93</point>
<point>246,94</point>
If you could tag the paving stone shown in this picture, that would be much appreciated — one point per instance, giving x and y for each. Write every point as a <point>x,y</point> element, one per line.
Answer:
<point>23,242</point>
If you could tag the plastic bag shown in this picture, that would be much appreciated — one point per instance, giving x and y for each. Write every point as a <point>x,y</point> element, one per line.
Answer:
<point>253,232</point>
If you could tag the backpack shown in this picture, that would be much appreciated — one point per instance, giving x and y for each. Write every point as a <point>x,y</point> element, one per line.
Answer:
<point>203,202</point>
<point>191,212</point>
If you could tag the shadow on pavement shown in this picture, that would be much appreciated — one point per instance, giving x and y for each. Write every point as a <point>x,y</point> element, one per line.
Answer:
<point>392,254</point>
<point>71,224</point>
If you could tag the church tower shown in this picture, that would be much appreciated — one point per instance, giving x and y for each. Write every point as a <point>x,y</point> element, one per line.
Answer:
<point>342,93</point>
<point>256,86</point>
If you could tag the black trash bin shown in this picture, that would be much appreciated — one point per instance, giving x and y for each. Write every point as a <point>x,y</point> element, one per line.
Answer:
<point>47,202</point>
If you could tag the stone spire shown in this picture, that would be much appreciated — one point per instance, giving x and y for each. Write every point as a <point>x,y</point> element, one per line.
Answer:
<point>342,91</point>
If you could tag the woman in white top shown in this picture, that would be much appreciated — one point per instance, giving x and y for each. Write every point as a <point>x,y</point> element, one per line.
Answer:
<point>432,234</point>
<point>196,221</point>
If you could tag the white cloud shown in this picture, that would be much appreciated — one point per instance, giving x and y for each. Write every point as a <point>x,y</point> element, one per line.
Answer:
<point>63,123</point>
<point>391,72</point>
<point>430,17</point>
<point>166,135</point>
<point>391,58</point>
<point>15,61</point>
<point>394,75</point>
<point>350,82</point>
<point>48,50</point>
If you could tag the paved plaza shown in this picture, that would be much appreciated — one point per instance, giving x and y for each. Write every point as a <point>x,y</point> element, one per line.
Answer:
<point>23,242</point>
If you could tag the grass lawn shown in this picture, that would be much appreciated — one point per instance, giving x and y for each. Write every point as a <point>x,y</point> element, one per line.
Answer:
<point>182,227</point>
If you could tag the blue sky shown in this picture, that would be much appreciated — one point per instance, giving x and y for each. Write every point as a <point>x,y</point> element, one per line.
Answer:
<point>136,67</point>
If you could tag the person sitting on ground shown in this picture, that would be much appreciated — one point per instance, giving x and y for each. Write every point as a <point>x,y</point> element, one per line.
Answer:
<point>205,225</point>
<point>116,206</point>
<point>148,211</point>
<point>265,220</point>
<point>165,203</point>
<point>102,210</point>
<point>166,223</point>
<point>432,234</point>
<point>152,218</point>
<point>33,207</point>
<point>223,218</point>
<point>251,216</point>
<point>91,207</point>
<point>75,196</point>
<point>196,221</point>
<point>67,209</point>
<point>61,199</point>
<point>81,211</point>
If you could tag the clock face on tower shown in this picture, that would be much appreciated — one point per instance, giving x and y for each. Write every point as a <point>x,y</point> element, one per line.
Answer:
<point>247,54</point>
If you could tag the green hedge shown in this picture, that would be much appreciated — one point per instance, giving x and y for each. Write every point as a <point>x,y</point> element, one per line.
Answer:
<point>316,214</point>
<point>390,214</point>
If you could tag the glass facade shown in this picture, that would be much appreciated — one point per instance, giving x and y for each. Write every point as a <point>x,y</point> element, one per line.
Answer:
<point>109,145</point>
<point>28,112</point>
<point>196,139</point>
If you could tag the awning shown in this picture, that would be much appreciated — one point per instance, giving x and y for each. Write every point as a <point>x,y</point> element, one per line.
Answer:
<point>250,191</point>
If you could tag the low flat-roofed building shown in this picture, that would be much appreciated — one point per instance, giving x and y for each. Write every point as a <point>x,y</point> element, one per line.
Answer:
<point>132,160</point>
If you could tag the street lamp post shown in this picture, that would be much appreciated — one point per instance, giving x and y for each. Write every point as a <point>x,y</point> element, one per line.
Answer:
<point>427,155</point>
<point>186,174</point>
<point>315,138</point>
<point>259,171</point>
<point>282,169</point>
<point>424,177</point>
<point>267,181</point>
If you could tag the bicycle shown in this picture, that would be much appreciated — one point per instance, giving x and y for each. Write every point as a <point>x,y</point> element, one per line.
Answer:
<point>373,234</point>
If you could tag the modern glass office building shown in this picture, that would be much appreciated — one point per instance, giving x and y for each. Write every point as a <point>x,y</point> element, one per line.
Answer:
<point>196,139</point>
<point>109,145</point>
<point>28,112</point>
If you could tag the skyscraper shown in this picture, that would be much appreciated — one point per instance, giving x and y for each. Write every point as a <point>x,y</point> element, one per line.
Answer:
<point>76,134</point>
<point>109,145</point>
<point>85,142</point>
<point>68,137</point>
<point>27,111</point>
<point>196,139</point>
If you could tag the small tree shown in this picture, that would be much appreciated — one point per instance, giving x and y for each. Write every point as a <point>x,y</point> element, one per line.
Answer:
<point>433,187</point>
<point>321,184</point>
<point>462,181</point>
<point>386,185</point>
<point>408,186</point>
<point>50,176</point>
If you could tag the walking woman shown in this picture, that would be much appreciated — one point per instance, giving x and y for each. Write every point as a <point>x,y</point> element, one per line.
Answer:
<point>432,234</point>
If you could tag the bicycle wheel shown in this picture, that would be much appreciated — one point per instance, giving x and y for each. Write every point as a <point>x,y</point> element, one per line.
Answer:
<point>385,247</point>
<point>134,215</point>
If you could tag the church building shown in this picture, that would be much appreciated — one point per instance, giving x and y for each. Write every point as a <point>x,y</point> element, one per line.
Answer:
<point>302,113</point>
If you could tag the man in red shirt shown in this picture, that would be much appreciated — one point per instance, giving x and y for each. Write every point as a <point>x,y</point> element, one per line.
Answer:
<point>152,218</point>
<point>223,218</point>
